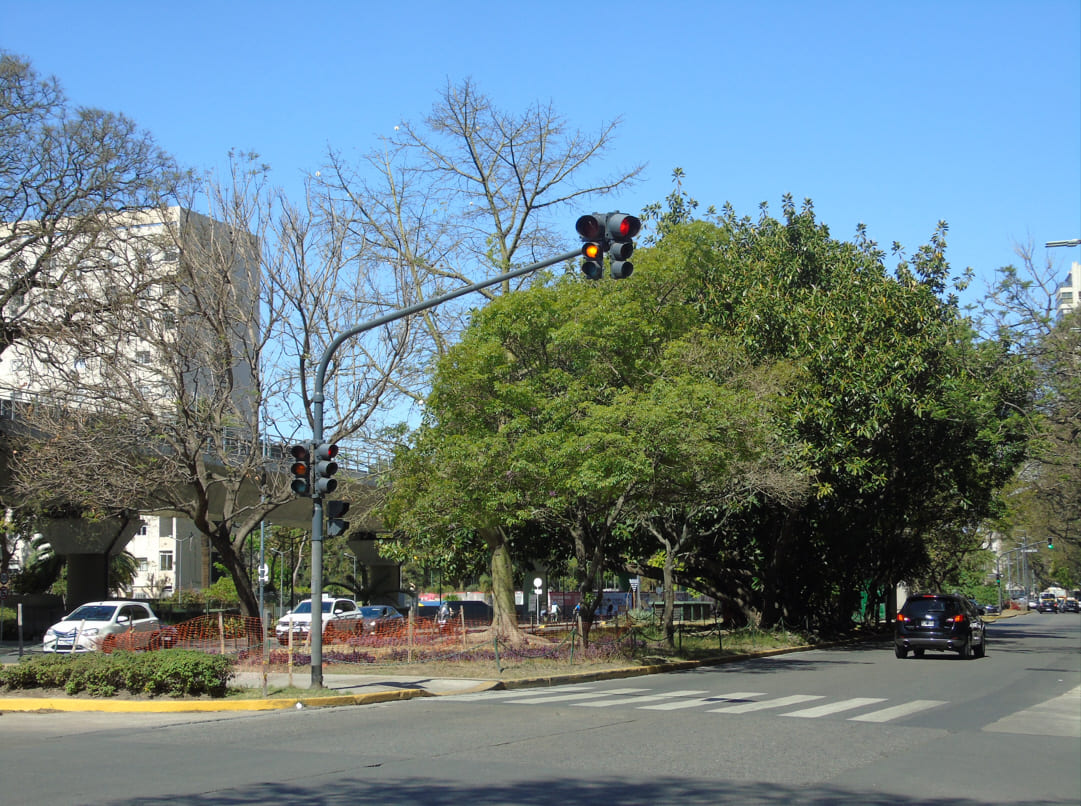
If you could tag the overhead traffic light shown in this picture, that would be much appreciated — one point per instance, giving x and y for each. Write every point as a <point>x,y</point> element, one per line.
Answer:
<point>1050,542</point>
<point>301,470</point>
<point>324,467</point>
<point>336,510</point>
<point>613,233</point>
<point>620,230</point>
<point>591,231</point>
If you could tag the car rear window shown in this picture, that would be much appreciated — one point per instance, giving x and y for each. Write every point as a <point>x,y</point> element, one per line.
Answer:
<point>917,608</point>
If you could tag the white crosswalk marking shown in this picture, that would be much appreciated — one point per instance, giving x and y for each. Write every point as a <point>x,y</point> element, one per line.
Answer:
<point>637,700</point>
<point>569,697</point>
<point>673,706</point>
<point>779,702</point>
<point>897,711</point>
<point>1059,716</point>
<point>521,692</point>
<point>735,702</point>
<point>835,707</point>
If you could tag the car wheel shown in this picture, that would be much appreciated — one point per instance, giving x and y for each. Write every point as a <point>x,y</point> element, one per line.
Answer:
<point>900,651</point>
<point>966,650</point>
<point>918,653</point>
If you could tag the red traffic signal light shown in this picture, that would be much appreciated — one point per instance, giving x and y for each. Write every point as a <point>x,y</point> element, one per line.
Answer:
<point>325,467</point>
<point>301,470</point>
<point>622,227</point>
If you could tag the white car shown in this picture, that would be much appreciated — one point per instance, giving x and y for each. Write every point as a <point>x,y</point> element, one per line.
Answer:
<point>342,611</point>
<point>131,624</point>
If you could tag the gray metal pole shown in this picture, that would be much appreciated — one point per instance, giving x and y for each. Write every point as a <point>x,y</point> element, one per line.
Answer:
<point>317,432</point>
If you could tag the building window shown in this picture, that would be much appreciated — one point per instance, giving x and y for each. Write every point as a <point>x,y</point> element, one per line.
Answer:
<point>165,561</point>
<point>165,527</point>
<point>143,528</point>
<point>143,564</point>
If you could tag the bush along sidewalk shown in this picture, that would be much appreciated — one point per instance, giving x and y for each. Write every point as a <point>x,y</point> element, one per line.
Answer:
<point>172,673</point>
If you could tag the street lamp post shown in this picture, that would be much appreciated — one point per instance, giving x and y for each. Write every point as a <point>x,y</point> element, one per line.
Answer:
<point>281,580</point>
<point>354,558</point>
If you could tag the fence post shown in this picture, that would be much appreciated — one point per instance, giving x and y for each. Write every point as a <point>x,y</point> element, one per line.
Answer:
<point>221,631</point>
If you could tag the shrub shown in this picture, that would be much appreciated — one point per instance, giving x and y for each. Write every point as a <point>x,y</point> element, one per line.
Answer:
<point>173,672</point>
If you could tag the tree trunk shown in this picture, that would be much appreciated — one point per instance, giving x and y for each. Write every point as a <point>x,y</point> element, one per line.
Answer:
<point>669,595</point>
<point>504,615</point>
<point>249,602</point>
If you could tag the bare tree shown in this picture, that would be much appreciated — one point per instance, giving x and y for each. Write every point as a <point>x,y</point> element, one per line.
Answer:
<point>471,192</point>
<point>188,390</point>
<point>66,175</point>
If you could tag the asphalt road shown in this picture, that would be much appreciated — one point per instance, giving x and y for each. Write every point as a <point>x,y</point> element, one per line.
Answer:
<point>838,726</point>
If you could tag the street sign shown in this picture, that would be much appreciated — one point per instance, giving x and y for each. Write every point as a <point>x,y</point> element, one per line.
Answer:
<point>4,592</point>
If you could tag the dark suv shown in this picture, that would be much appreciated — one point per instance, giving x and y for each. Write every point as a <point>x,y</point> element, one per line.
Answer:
<point>941,622</point>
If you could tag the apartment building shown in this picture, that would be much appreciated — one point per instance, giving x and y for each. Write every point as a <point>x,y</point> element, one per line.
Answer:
<point>1068,296</point>
<point>160,264</point>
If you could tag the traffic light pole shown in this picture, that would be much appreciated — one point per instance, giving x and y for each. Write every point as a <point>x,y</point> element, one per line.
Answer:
<point>317,433</point>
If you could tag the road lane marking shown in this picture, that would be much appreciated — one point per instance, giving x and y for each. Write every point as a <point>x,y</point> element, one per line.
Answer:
<point>897,711</point>
<point>637,700</point>
<point>835,707</point>
<point>780,702</point>
<point>590,695</point>
<point>673,706</point>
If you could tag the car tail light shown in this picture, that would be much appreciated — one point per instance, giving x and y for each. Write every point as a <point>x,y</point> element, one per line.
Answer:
<point>958,619</point>
<point>901,617</point>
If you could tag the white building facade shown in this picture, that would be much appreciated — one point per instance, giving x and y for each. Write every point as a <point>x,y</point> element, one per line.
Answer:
<point>1068,296</point>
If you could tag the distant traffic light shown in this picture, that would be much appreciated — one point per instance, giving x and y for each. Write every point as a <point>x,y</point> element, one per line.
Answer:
<point>1050,542</point>
<point>301,470</point>
<point>620,230</point>
<point>591,231</point>
<point>336,510</point>
<point>324,468</point>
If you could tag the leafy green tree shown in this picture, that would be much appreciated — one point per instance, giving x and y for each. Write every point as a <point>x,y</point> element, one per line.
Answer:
<point>908,424</point>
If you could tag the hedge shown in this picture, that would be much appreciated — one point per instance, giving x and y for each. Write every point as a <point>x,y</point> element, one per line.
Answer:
<point>170,672</point>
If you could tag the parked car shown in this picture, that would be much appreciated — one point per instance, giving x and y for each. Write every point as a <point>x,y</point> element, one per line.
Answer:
<point>381,618</point>
<point>941,622</point>
<point>342,612</point>
<point>102,625</point>
<point>991,609</point>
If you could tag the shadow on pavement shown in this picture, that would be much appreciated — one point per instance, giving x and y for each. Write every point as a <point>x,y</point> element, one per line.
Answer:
<point>354,791</point>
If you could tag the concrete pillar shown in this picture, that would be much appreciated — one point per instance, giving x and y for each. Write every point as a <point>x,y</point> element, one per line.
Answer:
<point>87,546</point>
<point>88,579</point>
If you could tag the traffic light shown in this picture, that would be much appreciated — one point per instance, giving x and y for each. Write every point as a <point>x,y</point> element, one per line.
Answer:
<point>591,231</point>
<point>324,468</point>
<point>301,470</point>
<point>336,510</point>
<point>1050,542</point>
<point>620,230</point>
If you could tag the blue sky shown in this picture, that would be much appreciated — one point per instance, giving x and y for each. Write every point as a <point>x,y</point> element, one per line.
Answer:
<point>896,115</point>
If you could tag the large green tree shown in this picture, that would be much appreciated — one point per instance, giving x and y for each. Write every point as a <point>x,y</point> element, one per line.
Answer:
<point>788,420</point>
